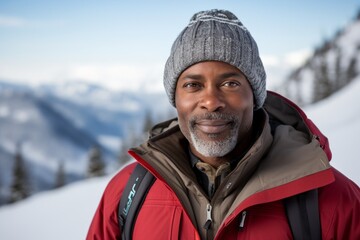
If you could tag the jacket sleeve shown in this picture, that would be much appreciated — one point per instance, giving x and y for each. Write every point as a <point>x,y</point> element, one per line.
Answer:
<point>341,209</point>
<point>104,225</point>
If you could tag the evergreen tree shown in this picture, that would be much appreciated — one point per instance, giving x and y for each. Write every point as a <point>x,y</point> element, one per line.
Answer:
<point>131,140</point>
<point>352,71</point>
<point>148,123</point>
<point>323,86</point>
<point>339,79</point>
<point>123,155</point>
<point>96,167</point>
<point>60,178</point>
<point>19,188</point>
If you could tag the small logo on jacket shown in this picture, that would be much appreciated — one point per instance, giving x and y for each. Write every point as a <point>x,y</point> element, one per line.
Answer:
<point>130,198</point>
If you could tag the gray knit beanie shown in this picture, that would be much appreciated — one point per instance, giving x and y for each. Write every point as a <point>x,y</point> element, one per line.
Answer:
<point>216,35</point>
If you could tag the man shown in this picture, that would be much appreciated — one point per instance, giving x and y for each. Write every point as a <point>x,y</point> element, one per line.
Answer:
<point>224,167</point>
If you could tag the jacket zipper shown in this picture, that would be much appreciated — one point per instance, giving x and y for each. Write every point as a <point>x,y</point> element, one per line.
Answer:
<point>242,221</point>
<point>208,217</point>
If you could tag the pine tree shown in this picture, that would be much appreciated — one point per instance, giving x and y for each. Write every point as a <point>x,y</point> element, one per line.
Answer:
<point>19,188</point>
<point>352,71</point>
<point>323,86</point>
<point>60,178</point>
<point>131,140</point>
<point>339,79</point>
<point>123,155</point>
<point>148,123</point>
<point>96,167</point>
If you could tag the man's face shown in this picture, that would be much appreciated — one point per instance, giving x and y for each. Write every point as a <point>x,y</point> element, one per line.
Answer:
<point>214,102</point>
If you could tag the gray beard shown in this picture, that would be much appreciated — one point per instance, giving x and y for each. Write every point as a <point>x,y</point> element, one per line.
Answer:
<point>216,148</point>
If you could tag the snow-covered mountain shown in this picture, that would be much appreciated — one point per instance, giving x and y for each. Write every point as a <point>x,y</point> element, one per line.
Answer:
<point>44,138</point>
<point>66,213</point>
<point>62,122</point>
<point>102,112</point>
<point>334,64</point>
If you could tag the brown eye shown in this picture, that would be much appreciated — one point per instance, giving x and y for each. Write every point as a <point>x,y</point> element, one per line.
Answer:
<point>191,85</point>
<point>231,84</point>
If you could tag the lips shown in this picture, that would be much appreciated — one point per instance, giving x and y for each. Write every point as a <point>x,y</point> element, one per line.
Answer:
<point>212,126</point>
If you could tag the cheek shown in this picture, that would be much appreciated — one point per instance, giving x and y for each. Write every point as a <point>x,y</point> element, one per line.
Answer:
<point>182,108</point>
<point>184,101</point>
<point>184,124</point>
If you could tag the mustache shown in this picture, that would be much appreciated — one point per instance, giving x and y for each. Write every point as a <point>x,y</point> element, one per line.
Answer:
<point>214,116</point>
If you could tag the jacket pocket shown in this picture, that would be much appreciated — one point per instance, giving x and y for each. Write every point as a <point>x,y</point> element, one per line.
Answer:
<point>158,221</point>
<point>163,217</point>
<point>266,221</point>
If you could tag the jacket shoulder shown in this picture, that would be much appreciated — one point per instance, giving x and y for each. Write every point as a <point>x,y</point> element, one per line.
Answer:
<point>105,221</point>
<point>339,204</point>
<point>115,187</point>
<point>121,177</point>
<point>342,189</point>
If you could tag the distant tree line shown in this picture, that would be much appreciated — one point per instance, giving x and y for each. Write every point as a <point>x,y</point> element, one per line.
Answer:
<point>330,77</point>
<point>20,187</point>
<point>331,67</point>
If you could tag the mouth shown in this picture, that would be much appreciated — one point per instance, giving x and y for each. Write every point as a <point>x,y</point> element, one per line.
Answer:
<point>213,126</point>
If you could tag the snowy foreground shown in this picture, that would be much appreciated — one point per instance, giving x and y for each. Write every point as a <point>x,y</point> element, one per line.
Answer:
<point>66,213</point>
<point>57,215</point>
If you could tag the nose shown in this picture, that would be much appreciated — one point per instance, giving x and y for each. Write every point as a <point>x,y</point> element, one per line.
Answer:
<point>212,100</point>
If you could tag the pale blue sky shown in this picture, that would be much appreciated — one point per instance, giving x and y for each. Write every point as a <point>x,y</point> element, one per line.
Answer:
<point>110,42</point>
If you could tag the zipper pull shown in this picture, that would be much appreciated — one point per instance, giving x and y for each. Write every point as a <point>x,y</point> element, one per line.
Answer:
<point>208,217</point>
<point>242,221</point>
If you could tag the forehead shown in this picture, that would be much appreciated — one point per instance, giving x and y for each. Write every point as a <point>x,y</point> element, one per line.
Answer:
<point>211,67</point>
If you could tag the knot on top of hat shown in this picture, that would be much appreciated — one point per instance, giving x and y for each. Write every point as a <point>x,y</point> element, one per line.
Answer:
<point>216,15</point>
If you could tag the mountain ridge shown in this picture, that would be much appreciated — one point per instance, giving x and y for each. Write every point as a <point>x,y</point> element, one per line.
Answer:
<point>53,126</point>
<point>333,65</point>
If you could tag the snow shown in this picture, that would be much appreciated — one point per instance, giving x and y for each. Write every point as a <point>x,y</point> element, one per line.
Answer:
<point>57,215</point>
<point>92,95</point>
<point>66,213</point>
<point>21,116</point>
<point>4,111</point>
<point>339,119</point>
<point>111,142</point>
<point>350,40</point>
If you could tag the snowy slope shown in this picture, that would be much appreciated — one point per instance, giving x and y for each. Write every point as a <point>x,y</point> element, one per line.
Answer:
<point>339,119</point>
<point>56,215</point>
<point>67,213</point>
<point>335,63</point>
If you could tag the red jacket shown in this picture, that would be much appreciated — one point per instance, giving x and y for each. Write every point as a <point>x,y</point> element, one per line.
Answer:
<point>162,215</point>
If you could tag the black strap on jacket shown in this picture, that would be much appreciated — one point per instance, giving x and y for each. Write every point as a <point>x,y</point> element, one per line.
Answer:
<point>132,199</point>
<point>302,210</point>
